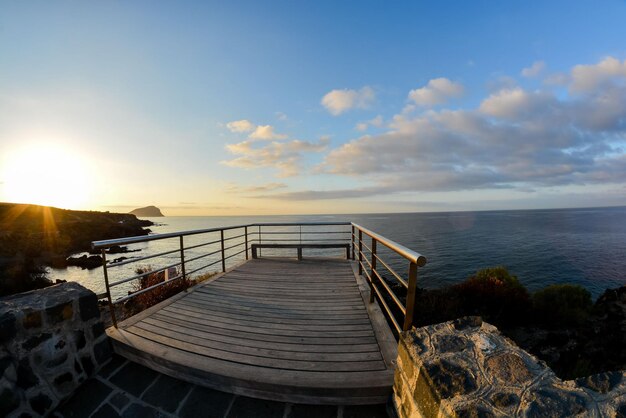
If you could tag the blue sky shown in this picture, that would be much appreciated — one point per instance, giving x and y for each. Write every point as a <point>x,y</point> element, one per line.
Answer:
<point>317,107</point>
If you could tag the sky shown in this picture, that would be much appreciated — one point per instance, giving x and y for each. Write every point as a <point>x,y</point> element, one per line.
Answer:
<point>282,107</point>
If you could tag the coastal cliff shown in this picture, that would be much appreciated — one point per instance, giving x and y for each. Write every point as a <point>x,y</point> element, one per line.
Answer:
<point>33,236</point>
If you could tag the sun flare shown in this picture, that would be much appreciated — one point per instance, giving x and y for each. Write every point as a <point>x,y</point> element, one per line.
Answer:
<point>46,175</point>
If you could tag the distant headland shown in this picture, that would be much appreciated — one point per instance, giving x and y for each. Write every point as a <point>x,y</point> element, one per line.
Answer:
<point>148,211</point>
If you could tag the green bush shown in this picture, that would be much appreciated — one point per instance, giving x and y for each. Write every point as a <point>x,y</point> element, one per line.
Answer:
<point>495,295</point>
<point>562,305</point>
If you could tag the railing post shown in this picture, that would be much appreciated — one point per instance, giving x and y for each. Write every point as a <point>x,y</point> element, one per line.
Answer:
<point>360,252</point>
<point>182,257</point>
<point>223,255</point>
<point>352,240</point>
<point>373,270</point>
<point>300,234</point>
<point>410,297</point>
<point>106,284</point>
<point>246,242</point>
<point>260,251</point>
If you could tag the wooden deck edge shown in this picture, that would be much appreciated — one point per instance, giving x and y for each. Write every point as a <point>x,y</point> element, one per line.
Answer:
<point>147,312</point>
<point>386,341</point>
<point>280,393</point>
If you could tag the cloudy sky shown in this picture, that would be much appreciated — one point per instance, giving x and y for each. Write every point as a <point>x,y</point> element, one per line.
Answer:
<point>207,108</point>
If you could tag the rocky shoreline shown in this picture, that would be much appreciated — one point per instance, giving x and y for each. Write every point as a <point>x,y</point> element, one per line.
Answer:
<point>33,237</point>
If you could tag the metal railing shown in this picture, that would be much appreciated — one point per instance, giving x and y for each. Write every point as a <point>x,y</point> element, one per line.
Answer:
<point>288,233</point>
<point>379,287</point>
<point>370,262</point>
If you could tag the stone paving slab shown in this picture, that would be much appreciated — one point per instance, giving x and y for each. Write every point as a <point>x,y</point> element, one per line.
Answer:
<point>123,389</point>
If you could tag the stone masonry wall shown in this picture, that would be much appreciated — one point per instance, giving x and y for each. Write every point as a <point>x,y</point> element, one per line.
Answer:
<point>466,368</point>
<point>51,340</point>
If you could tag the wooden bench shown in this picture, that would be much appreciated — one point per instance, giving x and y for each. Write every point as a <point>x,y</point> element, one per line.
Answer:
<point>299,247</point>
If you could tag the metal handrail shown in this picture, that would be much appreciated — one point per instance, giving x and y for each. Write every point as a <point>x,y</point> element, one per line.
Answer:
<point>375,278</point>
<point>243,239</point>
<point>367,262</point>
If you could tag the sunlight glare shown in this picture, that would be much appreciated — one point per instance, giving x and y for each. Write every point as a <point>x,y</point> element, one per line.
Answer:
<point>46,175</point>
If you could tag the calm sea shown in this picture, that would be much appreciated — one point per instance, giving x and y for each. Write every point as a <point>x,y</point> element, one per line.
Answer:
<point>540,247</point>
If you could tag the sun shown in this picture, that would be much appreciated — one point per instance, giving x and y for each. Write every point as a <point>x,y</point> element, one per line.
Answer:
<point>46,175</point>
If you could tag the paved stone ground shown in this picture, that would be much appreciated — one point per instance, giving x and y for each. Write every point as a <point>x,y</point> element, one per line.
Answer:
<point>126,389</point>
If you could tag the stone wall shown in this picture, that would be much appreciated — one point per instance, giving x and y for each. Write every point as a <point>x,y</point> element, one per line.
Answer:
<point>51,340</point>
<point>466,368</point>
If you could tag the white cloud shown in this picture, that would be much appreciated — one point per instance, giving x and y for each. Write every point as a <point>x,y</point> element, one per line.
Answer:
<point>437,91</point>
<point>266,132</point>
<point>340,101</point>
<point>376,122</point>
<point>286,156</point>
<point>586,78</point>
<point>534,70</point>
<point>268,187</point>
<point>243,125</point>
<point>516,139</point>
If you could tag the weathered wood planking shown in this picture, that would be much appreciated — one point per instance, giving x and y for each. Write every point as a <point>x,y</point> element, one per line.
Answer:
<point>278,329</point>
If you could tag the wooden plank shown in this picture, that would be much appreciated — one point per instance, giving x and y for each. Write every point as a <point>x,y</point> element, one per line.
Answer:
<point>243,342</point>
<point>271,329</point>
<point>356,379</point>
<point>272,324</point>
<point>157,319</point>
<point>258,304</point>
<point>277,319</point>
<point>209,353</point>
<point>322,316</point>
<point>359,388</point>
<point>280,329</point>
<point>147,330</point>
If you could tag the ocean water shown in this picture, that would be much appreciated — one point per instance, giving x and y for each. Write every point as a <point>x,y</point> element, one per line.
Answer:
<point>541,247</point>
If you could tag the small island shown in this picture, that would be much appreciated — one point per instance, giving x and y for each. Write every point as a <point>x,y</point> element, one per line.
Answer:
<point>148,211</point>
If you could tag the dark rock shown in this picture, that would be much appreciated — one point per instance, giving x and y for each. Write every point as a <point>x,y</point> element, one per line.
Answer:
<point>77,368</point>
<point>451,379</point>
<point>61,381</point>
<point>7,326</point>
<point>8,402</point>
<point>97,330</point>
<point>102,351</point>
<point>85,262</point>
<point>25,376</point>
<point>59,313</point>
<point>504,400</point>
<point>450,343</point>
<point>40,403</point>
<point>621,411</point>
<point>603,382</point>
<point>468,322</point>
<point>474,411</point>
<point>32,319</point>
<point>87,364</point>
<point>111,366</point>
<point>57,361</point>
<point>555,403</point>
<point>5,363</point>
<point>60,344</point>
<point>88,306</point>
<point>79,339</point>
<point>34,341</point>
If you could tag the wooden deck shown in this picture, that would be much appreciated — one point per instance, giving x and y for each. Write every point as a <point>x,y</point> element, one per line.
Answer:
<point>280,329</point>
